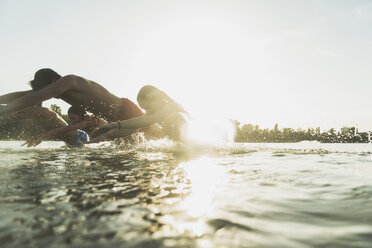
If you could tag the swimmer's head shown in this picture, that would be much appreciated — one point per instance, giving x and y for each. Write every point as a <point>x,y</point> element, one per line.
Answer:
<point>43,78</point>
<point>76,114</point>
<point>152,99</point>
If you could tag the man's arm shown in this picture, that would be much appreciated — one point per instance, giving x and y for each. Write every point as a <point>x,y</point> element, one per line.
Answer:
<point>112,134</point>
<point>59,132</point>
<point>35,97</point>
<point>5,99</point>
<point>75,126</point>
<point>34,141</point>
<point>149,119</point>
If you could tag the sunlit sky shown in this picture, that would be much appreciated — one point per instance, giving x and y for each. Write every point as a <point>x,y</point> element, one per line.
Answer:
<point>297,63</point>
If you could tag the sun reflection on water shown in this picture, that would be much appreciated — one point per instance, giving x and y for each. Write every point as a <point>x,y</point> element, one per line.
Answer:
<point>203,176</point>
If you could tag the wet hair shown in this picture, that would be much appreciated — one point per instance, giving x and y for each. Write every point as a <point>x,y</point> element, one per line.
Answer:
<point>43,78</point>
<point>149,92</point>
<point>77,111</point>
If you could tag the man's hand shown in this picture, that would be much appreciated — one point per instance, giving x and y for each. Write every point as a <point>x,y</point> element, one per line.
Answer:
<point>33,141</point>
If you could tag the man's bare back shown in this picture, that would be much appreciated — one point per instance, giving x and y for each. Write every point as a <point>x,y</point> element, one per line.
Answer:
<point>74,90</point>
<point>91,96</point>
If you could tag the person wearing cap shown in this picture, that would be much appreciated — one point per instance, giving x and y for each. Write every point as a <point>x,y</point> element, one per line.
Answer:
<point>75,134</point>
<point>79,92</point>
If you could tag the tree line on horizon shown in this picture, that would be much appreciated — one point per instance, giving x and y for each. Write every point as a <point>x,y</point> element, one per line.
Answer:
<point>254,134</point>
<point>13,129</point>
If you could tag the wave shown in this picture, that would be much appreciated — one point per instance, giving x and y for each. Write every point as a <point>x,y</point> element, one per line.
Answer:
<point>228,148</point>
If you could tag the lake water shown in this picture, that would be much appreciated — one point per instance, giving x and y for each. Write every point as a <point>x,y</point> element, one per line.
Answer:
<point>161,194</point>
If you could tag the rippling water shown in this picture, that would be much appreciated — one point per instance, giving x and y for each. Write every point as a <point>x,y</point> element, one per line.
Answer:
<point>162,194</point>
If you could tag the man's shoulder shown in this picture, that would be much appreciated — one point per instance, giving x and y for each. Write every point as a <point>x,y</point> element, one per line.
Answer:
<point>70,77</point>
<point>74,80</point>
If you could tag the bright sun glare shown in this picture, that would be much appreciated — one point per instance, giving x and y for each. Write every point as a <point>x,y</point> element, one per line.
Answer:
<point>211,131</point>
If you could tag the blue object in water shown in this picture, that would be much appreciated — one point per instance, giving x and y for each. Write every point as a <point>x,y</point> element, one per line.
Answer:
<point>80,138</point>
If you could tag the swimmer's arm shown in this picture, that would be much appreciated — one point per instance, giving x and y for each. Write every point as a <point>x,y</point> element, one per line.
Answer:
<point>69,128</point>
<point>34,141</point>
<point>5,99</point>
<point>91,122</point>
<point>149,119</point>
<point>58,132</point>
<point>95,121</point>
<point>111,135</point>
<point>36,97</point>
<point>144,120</point>
<point>100,138</point>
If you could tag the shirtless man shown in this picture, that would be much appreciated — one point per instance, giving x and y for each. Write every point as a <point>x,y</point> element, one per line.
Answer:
<point>77,91</point>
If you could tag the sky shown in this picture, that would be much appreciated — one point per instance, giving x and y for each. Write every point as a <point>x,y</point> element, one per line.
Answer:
<point>297,63</point>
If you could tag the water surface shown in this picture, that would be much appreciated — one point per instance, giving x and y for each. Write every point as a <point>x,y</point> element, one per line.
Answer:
<point>161,194</point>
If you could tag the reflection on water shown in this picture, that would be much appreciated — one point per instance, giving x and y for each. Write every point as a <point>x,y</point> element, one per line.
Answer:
<point>203,174</point>
<point>166,195</point>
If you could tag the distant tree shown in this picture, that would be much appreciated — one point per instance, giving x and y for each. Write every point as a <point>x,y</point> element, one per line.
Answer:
<point>58,110</point>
